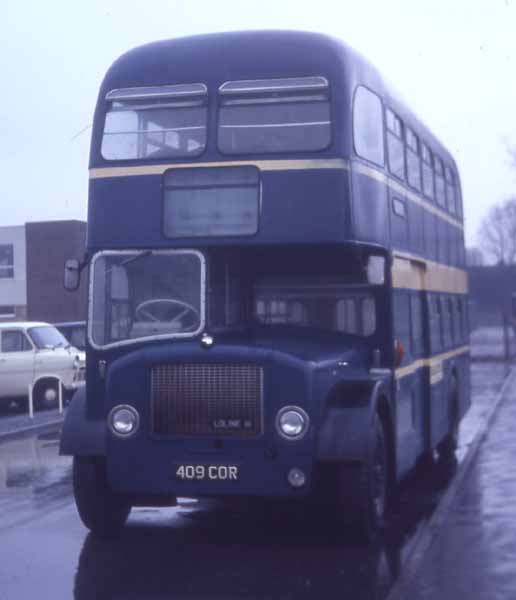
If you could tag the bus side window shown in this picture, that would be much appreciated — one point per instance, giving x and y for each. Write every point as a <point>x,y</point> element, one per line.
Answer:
<point>395,150</point>
<point>436,324</point>
<point>402,322</point>
<point>416,317</point>
<point>451,191</point>
<point>440,193</point>
<point>413,160</point>
<point>428,172</point>
<point>368,126</point>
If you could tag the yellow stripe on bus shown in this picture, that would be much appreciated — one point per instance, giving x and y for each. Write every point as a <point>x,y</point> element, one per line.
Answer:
<point>282,165</point>
<point>416,273</point>
<point>406,193</point>
<point>432,362</point>
<point>263,165</point>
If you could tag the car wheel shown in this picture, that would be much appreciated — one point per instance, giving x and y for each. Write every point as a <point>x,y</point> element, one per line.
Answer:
<point>362,488</point>
<point>101,510</point>
<point>46,394</point>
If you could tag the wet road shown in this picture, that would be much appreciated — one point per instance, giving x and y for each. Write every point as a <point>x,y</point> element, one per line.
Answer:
<point>193,551</point>
<point>197,550</point>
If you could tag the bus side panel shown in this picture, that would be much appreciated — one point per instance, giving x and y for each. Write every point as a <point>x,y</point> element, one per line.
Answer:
<point>430,227</point>
<point>370,209</point>
<point>304,206</point>
<point>399,221</point>
<point>416,225</point>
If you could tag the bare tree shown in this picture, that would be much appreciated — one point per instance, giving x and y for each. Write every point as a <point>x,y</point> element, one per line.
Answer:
<point>497,232</point>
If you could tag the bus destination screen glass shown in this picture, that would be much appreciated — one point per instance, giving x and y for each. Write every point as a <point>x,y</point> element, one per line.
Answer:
<point>155,124</point>
<point>211,202</point>
<point>275,115</point>
<point>146,294</point>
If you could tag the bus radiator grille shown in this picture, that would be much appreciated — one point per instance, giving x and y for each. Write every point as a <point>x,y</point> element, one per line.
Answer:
<point>207,399</point>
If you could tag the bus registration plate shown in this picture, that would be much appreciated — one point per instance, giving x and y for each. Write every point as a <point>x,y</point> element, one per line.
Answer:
<point>184,472</point>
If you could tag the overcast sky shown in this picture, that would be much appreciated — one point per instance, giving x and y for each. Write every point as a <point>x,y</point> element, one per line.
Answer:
<point>454,61</point>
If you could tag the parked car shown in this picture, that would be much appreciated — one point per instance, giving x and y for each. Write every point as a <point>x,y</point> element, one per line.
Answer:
<point>74,332</point>
<point>38,354</point>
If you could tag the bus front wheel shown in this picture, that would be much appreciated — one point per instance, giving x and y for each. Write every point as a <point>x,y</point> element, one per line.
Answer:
<point>362,488</point>
<point>102,511</point>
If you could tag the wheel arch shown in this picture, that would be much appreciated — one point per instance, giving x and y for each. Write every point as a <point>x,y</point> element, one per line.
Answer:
<point>349,411</point>
<point>82,436</point>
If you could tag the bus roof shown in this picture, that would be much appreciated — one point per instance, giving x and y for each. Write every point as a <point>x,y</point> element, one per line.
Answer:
<point>214,59</point>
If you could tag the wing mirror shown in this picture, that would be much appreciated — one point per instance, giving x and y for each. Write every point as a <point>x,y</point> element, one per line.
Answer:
<point>72,274</point>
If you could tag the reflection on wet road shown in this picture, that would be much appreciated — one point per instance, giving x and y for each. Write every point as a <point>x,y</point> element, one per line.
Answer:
<point>192,551</point>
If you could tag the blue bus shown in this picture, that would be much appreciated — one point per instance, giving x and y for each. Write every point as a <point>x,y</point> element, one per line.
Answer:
<point>277,284</point>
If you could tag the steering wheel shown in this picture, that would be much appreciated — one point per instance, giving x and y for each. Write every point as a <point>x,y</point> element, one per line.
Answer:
<point>144,311</point>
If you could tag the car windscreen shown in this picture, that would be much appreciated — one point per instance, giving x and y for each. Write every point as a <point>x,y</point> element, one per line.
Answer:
<point>47,337</point>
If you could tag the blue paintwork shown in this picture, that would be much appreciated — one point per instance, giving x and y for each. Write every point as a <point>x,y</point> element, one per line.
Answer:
<point>298,207</point>
<point>294,373</point>
<point>314,204</point>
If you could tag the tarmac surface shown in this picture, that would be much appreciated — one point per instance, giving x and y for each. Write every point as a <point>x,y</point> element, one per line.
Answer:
<point>474,553</point>
<point>206,550</point>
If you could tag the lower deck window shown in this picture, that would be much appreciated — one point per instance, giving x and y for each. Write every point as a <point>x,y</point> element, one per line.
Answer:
<point>322,305</point>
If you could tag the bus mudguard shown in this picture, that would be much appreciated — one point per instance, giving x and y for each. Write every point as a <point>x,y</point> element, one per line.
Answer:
<point>343,432</point>
<point>81,436</point>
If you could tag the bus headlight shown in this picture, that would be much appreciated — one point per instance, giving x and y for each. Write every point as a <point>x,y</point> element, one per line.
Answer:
<point>123,420</point>
<point>292,422</point>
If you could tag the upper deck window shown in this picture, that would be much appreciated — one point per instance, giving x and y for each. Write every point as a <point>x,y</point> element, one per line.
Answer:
<point>155,122</point>
<point>413,161</point>
<point>439,181</point>
<point>451,191</point>
<point>274,115</point>
<point>395,152</point>
<point>368,125</point>
<point>428,172</point>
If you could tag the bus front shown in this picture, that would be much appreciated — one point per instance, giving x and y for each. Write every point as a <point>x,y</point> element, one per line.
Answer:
<point>233,325</point>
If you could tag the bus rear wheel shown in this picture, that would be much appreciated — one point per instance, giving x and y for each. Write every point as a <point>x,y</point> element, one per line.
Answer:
<point>362,488</point>
<point>102,511</point>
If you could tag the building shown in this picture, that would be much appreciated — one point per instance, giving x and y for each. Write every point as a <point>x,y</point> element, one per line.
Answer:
<point>13,273</point>
<point>32,260</point>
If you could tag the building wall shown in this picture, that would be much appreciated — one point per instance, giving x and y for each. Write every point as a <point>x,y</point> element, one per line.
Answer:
<point>13,290</point>
<point>49,244</point>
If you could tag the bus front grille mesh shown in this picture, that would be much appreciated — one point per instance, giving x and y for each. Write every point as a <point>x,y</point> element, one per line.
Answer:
<point>210,399</point>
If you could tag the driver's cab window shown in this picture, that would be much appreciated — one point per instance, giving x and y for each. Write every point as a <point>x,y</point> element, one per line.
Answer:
<point>15,341</point>
<point>143,294</point>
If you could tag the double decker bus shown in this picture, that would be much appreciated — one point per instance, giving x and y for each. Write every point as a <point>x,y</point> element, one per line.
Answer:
<point>277,302</point>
